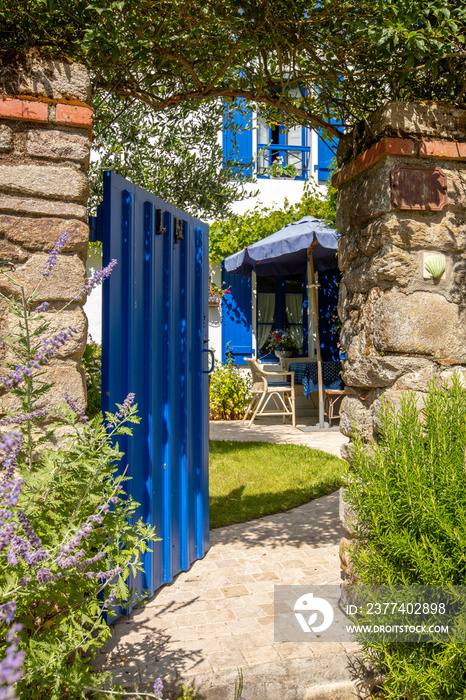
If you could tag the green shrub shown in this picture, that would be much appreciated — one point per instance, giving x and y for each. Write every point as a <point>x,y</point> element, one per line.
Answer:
<point>230,392</point>
<point>409,494</point>
<point>67,540</point>
<point>92,365</point>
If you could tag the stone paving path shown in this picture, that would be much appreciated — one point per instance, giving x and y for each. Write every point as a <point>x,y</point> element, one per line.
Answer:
<point>218,616</point>
<point>268,430</point>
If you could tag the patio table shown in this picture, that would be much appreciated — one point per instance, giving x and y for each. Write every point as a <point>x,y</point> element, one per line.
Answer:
<point>305,373</point>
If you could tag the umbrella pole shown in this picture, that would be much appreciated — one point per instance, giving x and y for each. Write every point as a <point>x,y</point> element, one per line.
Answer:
<point>319,356</point>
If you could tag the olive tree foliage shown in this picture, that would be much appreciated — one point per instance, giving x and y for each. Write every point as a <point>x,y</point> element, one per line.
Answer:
<point>176,154</point>
<point>345,57</point>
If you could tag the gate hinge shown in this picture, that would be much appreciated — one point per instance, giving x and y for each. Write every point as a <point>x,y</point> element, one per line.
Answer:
<point>178,230</point>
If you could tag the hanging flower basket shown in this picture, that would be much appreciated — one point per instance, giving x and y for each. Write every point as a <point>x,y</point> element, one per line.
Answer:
<point>214,300</point>
<point>216,294</point>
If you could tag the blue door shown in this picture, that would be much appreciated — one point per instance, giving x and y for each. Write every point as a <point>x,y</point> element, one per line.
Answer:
<point>155,344</point>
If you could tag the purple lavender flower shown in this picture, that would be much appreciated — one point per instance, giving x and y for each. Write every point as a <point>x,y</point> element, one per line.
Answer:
<point>22,417</point>
<point>41,357</point>
<point>121,413</point>
<point>76,408</point>
<point>43,307</point>
<point>97,278</point>
<point>10,665</point>
<point>158,688</point>
<point>110,600</point>
<point>52,259</point>
<point>10,445</point>
<point>7,612</point>
<point>44,575</point>
<point>105,575</point>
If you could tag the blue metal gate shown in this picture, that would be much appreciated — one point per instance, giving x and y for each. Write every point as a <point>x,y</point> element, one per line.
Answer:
<point>155,344</point>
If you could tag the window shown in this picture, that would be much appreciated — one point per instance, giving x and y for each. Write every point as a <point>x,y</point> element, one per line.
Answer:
<point>287,146</point>
<point>282,305</point>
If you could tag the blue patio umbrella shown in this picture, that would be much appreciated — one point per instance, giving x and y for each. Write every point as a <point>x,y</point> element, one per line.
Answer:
<point>288,251</point>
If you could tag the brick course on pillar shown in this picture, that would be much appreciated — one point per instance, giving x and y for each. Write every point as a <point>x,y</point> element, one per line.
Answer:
<point>45,130</point>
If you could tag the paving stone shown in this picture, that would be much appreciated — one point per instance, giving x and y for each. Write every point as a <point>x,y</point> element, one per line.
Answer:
<point>267,622</point>
<point>233,591</point>
<point>212,594</point>
<point>222,615</point>
<point>225,660</point>
<point>260,655</point>
<point>293,650</point>
<point>246,641</point>
<point>213,630</point>
<point>244,626</point>
<point>249,611</point>
<point>184,634</point>
<point>227,562</point>
<point>266,576</point>
<point>187,619</point>
<point>324,648</point>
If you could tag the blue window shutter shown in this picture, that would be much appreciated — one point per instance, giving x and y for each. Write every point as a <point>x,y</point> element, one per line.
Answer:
<point>237,141</point>
<point>236,317</point>
<point>325,157</point>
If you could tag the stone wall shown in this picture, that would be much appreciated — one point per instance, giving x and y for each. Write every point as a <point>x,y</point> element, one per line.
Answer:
<point>401,327</point>
<point>45,129</point>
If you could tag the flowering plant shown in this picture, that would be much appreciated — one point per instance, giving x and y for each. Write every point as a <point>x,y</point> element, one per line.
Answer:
<point>281,340</point>
<point>230,391</point>
<point>67,540</point>
<point>216,291</point>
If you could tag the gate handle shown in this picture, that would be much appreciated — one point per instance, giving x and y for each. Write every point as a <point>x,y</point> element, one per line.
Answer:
<point>211,353</point>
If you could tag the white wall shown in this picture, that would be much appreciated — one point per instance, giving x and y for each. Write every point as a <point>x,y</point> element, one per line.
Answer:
<point>93,305</point>
<point>215,318</point>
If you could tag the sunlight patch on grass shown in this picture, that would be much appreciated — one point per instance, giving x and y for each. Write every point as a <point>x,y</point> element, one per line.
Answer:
<point>252,479</point>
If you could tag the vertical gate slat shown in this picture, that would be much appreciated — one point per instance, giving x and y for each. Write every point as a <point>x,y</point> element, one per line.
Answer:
<point>154,334</point>
<point>167,377</point>
<point>183,496</point>
<point>149,380</point>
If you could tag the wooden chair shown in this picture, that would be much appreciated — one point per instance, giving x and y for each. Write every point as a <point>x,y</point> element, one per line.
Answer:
<point>282,394</point>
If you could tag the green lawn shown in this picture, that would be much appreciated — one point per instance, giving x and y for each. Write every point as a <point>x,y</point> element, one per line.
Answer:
<point>252,479</point>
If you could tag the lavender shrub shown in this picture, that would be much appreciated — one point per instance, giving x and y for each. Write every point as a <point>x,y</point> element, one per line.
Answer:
<point>68,540</point>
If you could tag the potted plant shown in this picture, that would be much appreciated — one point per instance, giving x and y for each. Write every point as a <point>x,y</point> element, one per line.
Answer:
<point>279,171</point>
<point>216,294</point>
<point>282,344</point>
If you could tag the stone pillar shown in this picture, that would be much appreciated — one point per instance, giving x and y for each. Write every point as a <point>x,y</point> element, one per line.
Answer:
<point>45,129</point>
<point>401,200</point>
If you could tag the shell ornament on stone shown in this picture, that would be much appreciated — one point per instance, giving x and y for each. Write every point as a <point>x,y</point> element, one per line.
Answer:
<point>435,265</point>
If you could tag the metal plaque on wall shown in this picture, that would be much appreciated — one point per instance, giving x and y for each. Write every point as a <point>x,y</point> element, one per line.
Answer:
<point>418,188</point>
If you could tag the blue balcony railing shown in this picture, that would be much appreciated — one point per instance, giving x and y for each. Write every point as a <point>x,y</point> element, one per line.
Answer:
<point>268,153</point>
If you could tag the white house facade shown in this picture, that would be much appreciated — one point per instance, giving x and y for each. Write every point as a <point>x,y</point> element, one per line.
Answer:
<point>255,306</point>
